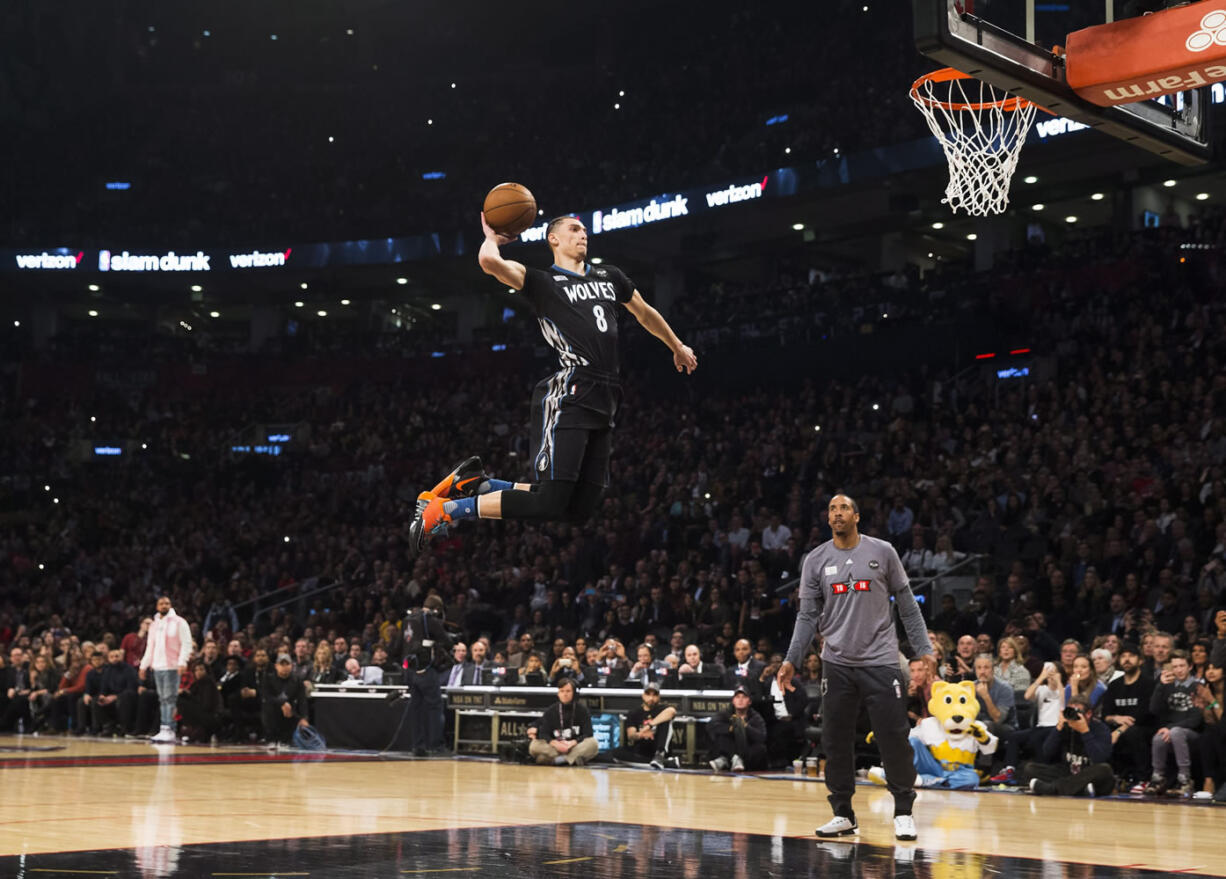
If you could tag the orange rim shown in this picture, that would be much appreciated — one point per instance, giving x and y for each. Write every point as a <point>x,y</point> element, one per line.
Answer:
<point>947,74</point>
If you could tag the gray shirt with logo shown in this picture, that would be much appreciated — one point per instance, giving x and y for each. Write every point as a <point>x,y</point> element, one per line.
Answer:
<point>845,594</point>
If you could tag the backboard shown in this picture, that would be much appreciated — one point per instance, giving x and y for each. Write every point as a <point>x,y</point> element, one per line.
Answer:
<point>1009,43</point>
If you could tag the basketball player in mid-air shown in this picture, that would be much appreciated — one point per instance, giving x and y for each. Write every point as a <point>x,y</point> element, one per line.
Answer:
<point>574,409</point>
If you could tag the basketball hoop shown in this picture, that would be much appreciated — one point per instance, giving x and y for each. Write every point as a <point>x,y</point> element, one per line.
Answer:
<point>981,131</point>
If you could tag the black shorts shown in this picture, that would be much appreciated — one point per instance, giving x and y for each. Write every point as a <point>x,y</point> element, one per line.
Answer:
<point>572,428</point>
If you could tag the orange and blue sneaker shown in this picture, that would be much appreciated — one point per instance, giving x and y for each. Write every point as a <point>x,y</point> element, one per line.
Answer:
<point>431,519</point>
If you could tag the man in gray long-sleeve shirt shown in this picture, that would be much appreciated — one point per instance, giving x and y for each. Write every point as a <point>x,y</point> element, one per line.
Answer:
<point>846,586</point>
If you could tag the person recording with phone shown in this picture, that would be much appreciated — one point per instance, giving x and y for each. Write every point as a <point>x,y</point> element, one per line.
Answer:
<point>1075,757</point>
<point>565,666</point>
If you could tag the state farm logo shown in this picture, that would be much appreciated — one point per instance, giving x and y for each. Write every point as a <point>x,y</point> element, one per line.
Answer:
<point>1212,31</point>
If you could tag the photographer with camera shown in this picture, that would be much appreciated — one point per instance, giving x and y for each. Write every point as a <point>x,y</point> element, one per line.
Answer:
<point>427,653</point>
<point>568,725</point>
<point>1074,757</point>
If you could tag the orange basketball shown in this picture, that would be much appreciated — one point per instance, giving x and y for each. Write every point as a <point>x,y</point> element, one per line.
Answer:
<point>510,208</point>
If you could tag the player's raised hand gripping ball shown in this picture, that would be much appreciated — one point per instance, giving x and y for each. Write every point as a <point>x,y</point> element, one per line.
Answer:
<point>509,209</point>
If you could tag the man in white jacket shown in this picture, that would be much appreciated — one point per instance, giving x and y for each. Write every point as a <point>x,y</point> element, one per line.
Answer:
<point>167,649</point>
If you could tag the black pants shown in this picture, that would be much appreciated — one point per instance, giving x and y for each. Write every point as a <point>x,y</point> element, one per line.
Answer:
<point>1130,756</point>
<point>278,727</point>
<point>202,721</point>
<point>1030,738</point>
<point>630,754</point>
<point>120,712</point>
<point>1067,784</point>
<point>883,692</point>
<point>63,707</point>
<point>724,744</point>
<point>1212,745</point>
<point>427,709</point>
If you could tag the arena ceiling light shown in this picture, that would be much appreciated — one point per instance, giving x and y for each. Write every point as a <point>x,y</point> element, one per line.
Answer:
<point>303,285</point>
<point>299,304</point>
<point>938,225</point>
<point>971,236</point>
<point>214,314</point>
<point>93,313</point>
<point>1037,207</point>
<point>1168,183</point>
<point>402,281</point>
<point>1030,179</point>
<point>196,288</point>
<point>1098,196</point>
<point>595,261</point>
<point>94,288</point>
<point>434,306</point>
<point>1070,219</point>
<point>344,302</point>
<point>16,323</point>
<point>1201,196</point>
<point>797,226</point>
<point>322,313</point>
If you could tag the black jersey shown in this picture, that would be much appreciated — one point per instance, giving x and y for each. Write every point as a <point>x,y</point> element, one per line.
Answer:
<point>578,316</point>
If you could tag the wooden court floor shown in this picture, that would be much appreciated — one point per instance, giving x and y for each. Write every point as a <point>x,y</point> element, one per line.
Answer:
<point>100,799</point>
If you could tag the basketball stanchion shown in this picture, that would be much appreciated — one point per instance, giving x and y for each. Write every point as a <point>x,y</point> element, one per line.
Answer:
<point>981,129</point>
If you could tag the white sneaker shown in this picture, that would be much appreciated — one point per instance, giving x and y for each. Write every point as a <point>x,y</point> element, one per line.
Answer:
<point>738,765</point>
<point>719,764</point>
<point>164,736</point>
<point>904,827</point>
<point>877,775</point>
<point>838,826</point>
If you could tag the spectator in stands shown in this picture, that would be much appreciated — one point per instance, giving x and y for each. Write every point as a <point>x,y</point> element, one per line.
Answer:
<point>996,705</point>
<point>133,643</point>
<point>1074,757</point>
<point>210,653</point>
<point>1125,709</point>
<point>1070,649</point>
<point>563,734</point>
<point>1009,667</point>
<point>917,561</point>
<point>284,702</point>
<point>68,693</point>
<point>1046,692</point>
<point>200,705</point>
<point>1161,646</point>
<point>303,660</point>
<point>1084,681</point>
<point>1104,666</point>
<point>963,660</point>
<point>610,667</point>
<point>1211,695</point>
<point>248,709</point>
<point>352,673</point>
<point>919,689</point>
<point>114,708</point>
<point>744,670</point>
<point>738,735</point>
<point>379,666</point>
<point>1179,722</point>
<point>16,691</point>
<point>695,674</point>
<point>565,666</point>
<point>532,674</point>
<point>649,732</point>
<point>459,666</point>
<point>322,670</point>
<point>43,681</point>
<point>480,664</point>
<point>89,697</point>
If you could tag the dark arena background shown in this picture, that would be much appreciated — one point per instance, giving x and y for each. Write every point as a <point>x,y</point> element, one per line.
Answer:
<point>243,324</point>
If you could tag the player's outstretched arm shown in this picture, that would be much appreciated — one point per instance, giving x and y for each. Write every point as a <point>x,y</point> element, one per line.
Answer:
<point>653,322</point>
<point>508,271</point>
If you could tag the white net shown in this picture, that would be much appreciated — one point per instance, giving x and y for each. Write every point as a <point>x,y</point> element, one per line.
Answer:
<point>981,129</point>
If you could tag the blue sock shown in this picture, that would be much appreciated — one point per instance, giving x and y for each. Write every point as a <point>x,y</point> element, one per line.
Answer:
<point>495,485</point>
<point>461,508</point>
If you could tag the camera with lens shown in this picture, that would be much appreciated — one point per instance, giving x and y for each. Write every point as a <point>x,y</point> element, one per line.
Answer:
<point>1072,712</point>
